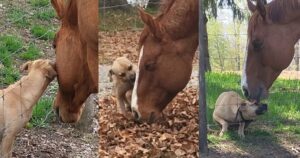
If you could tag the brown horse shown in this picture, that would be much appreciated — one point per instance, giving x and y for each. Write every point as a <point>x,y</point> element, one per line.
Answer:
<point>76,48</point>
<point>273,30</point>
<point>167,47</point>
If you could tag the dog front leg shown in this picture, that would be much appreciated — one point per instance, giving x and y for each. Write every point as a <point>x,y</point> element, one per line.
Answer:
<point>241,129</point>
<point>7,144</point>
<point>120,103</point>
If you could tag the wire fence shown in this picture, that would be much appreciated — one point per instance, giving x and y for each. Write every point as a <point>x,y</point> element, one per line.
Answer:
<point>9,27</point>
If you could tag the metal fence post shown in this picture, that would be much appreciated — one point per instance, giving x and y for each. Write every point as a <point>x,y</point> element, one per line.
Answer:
<point>202,93</point>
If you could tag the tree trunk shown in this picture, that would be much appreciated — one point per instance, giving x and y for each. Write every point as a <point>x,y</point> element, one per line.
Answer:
<point>206,55</point>
<point>89,113</point>
<point>153,4</point>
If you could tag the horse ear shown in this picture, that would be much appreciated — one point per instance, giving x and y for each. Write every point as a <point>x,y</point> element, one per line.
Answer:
<point>58,5</point>
<point>251,6</point>
<point>261,8</point>
<point>153,25</point>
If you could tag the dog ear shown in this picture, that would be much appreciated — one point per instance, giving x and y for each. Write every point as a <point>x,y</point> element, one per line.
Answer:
<point>110,73</point>
<point>26,66</point>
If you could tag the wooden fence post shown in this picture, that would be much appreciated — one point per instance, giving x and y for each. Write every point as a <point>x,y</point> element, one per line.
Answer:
<point>202,93</point>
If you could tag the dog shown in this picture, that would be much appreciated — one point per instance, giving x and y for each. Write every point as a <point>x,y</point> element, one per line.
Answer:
<point>122,74</point>
<point>17,101</point>
<point>231,110</point>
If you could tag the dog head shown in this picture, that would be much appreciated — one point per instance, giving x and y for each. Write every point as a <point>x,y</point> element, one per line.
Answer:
<point>47,67</point>
<point>250,110</point>
<point>123,69</point>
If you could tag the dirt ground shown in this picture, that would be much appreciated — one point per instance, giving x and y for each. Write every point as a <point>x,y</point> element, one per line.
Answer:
<point>61,141</point>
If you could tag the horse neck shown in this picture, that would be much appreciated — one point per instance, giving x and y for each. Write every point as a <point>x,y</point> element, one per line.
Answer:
<point>181,20</point>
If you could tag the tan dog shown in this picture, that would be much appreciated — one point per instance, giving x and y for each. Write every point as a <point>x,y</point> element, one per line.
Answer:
<point>17,101</point>
<point>122,74</point>
<point>231,110</point>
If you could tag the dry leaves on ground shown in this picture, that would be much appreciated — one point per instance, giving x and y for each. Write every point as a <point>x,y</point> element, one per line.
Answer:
<point>175,136</point>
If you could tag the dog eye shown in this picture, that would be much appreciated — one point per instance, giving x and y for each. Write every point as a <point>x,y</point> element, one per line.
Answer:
<point>130,68</point>
<point>257,44</point>
<point>122,74</point>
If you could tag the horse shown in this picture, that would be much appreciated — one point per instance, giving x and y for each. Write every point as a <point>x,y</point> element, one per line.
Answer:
<point>167,46</point>
<point>76,50</point>
<point>273,31</point>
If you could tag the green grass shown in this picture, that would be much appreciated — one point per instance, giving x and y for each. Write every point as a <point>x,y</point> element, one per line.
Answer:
<point>42,32</point>
<point>41,110</point>
<point>45,15</point>
<point>18,17</point>
<point>283,106</point>
<point>11,43</point>
<point>9,46</point>
<point>39,3</point>
<point>33,52</point>
<point>8,75</point>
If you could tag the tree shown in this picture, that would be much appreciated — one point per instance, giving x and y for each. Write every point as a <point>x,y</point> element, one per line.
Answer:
<point>211,10</point>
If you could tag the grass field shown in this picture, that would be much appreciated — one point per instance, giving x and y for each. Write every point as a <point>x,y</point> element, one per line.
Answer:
<point>282,119</point>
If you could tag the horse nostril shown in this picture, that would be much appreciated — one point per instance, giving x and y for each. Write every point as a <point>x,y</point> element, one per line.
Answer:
<point>246,93</point>
<point>132,78</point>
<point>135,115</point>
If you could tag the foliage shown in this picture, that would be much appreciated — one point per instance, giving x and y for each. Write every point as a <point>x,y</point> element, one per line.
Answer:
<point>42,32</point>
<point>42,112</point>
<point>17,17</point>
<point>32,52</point>
<point>226,44</point>
<point>39,3</point>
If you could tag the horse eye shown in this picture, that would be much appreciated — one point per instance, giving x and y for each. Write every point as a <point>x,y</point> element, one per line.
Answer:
<point>150,66</point>
<point>130,68</point>
<point>257,44</point>
<point>122,74</point>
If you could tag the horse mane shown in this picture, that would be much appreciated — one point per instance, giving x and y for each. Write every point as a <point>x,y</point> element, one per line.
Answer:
<point>278,9</point>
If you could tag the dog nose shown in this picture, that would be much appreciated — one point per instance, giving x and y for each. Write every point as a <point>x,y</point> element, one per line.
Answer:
<point>245,91</point>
